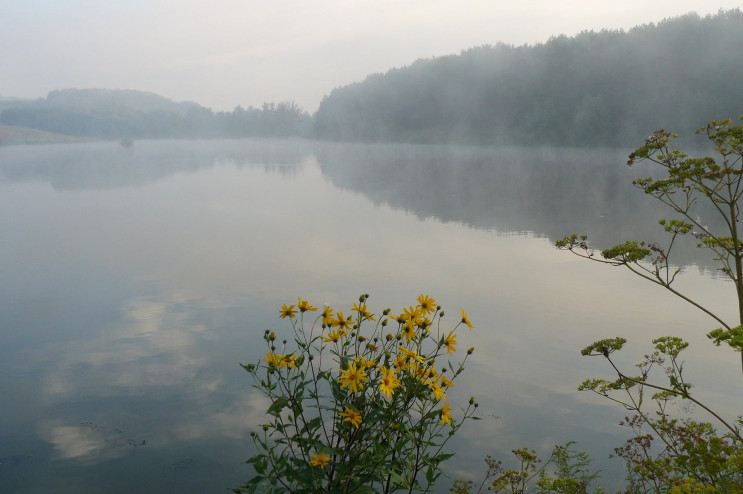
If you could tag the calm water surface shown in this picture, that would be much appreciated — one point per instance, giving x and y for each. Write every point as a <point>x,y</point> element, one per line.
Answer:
<point>135,280</point>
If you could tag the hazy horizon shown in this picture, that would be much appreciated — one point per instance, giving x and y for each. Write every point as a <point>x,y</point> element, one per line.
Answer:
<point>231,53</point>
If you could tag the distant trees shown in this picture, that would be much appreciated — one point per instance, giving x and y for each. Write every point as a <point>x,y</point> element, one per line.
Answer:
<point>596,88</point>
<point>110,114</point>
<point>271,120</point>
<point>608,88</point>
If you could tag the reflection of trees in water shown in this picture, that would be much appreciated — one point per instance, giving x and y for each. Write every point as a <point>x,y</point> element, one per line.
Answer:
<point>548,192</point>
<point>108,165</point>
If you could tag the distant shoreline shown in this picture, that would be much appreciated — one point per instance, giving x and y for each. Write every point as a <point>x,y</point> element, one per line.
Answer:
<point>12,135</point>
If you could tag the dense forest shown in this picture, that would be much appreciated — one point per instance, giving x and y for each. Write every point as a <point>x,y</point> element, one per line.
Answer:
<point>597,88</point>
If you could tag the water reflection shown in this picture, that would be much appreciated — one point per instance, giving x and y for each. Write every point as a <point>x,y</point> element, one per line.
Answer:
<point>135,280</point>
<point>108,165</point>
<point>549,192</point>
<point>545,191</point>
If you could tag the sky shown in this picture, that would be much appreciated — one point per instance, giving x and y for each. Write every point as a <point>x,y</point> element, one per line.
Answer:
<point>225,53</point>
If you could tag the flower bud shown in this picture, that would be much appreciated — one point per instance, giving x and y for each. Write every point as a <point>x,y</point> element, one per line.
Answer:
<point>470,350</point>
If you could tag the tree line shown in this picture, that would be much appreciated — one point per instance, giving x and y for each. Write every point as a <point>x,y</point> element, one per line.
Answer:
<point>114,114</point>
<point>596,88</point>
<point>607,88</point>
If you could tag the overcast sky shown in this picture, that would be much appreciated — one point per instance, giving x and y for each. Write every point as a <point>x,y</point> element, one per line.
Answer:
<point>224,53</point>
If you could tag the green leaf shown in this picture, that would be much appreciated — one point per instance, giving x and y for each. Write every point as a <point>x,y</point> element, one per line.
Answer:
<point>278,405</point>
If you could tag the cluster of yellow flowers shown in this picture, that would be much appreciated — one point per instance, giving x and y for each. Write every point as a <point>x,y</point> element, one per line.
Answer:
<point>373,370</point>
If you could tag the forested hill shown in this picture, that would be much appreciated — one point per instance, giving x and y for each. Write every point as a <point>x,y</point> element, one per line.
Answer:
<point>597,88</point>
<point>117,114</point>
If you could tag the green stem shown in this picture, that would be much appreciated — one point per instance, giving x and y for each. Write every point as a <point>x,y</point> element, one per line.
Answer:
<point>683,395</point>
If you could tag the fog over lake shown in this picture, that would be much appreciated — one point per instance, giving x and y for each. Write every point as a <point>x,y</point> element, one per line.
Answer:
<point>135,280</point>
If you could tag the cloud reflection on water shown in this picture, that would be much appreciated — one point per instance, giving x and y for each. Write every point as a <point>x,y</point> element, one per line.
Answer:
<point>184,271</point>
<point>153,346</point>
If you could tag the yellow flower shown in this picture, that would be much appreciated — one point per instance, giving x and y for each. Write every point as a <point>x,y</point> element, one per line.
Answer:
<point>466,319</point>
<point>334,335</point>
<point>446,415</point>
<point>353,378</point>
<point>351,416</point>
<point>388,382</point>
<point>425,324</point>
<point>401,362</point>
<point>426,304</point>
<point>287,311</point>
<point>363,311</point>
<point>319,460</point>
<point>451,343</point>
<point>364,364</point>
<point>411,354</point>
<point>327,316</point>
<point>438,391</point>
<point>408,331</point>
<point>400,319</point>
<point>304,306</point>
<point>341,321</point>
<point>273,359</point>
<point>418,370</point>
<point>446,382</point>
<point>288,361</point>
<point>412,314</point>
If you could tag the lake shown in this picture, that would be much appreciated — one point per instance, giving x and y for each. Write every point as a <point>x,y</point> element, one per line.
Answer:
<point>136,280</point>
